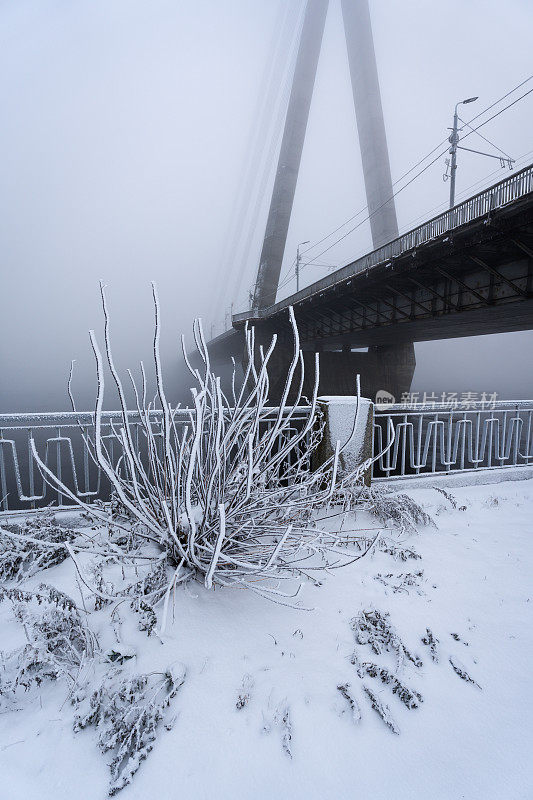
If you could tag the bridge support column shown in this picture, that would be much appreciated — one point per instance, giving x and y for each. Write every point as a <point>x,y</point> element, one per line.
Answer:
<point>384,368</point>
<point>388,368</point>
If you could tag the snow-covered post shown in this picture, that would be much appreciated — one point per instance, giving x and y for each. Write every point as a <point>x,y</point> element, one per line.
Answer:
<point>348,420</point>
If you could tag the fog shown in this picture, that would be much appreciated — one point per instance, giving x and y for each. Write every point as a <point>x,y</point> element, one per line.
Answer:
<point>125,127</point>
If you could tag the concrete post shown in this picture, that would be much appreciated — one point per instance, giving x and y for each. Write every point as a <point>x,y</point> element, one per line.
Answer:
<point>340,415</point>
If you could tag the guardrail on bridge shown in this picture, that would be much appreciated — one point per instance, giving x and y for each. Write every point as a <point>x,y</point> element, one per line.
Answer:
<point>429,439</point>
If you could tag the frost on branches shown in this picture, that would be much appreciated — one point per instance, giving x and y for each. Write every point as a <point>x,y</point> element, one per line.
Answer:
<point>229,496</point>
<point>58,642</point>
<point>126,710</point>
<point>25,548</point>
<point>126,713</point>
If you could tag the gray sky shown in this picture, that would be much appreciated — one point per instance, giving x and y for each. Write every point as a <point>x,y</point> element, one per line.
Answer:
<point>124,130</point>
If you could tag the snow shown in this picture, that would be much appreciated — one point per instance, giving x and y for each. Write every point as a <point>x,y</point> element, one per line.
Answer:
<point>465,477</point>
<point>343,427</point>
<point>282,667</point>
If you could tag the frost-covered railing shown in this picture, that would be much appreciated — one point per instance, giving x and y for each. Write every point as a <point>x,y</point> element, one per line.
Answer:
<point>431,438</point>
<point>497,196</point>
<point>59,440</point>
<point>437,437</point>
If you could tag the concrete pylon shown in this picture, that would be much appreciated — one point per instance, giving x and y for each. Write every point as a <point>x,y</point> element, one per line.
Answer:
<point>390,368</point>
<point>290,155</point>
<point>370,122</point>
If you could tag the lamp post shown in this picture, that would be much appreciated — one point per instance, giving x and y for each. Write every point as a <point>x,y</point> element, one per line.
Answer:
<point>297,270</point>
<point>454,140</point>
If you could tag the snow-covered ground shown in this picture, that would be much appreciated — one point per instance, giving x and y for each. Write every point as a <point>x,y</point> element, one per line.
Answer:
<point>471,588</point>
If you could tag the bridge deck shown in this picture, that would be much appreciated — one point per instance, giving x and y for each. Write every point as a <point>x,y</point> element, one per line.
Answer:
<point>474,259</point>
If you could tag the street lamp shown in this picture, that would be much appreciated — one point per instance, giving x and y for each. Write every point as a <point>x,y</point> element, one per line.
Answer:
<point>454,140</point>
<point>297,270</point>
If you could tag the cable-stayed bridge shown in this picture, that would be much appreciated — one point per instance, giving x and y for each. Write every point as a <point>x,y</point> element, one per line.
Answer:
<point>466,272</point>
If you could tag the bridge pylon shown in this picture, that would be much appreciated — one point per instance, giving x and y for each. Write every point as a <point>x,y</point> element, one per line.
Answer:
<point>392,367</point>
<point>389,367</point>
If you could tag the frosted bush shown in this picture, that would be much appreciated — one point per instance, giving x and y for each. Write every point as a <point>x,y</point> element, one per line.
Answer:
<point>25,548</point>
<point>58,641</point>
<point>127,712</point>
<point>229,495</point>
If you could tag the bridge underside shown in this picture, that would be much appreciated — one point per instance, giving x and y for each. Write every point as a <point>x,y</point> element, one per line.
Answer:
<point>470,282</point>
<point>475,280</point>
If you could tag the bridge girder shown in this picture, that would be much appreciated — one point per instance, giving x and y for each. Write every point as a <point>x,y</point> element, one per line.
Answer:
<point>474,278</point>
<point>434,291</point>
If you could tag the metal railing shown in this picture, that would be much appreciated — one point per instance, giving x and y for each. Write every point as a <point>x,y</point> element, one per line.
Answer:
<point>437,438</point>
<point>497,196</point>
<point>59,440</point>
<point>429,439</point>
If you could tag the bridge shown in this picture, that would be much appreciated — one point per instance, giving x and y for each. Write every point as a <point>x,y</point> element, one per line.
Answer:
<point>465,272</point>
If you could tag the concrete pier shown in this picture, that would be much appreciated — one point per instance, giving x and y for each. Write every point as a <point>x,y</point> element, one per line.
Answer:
<point>388,368</point>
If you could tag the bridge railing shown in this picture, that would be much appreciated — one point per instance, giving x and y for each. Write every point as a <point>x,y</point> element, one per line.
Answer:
<point>481,204</point>
<point>59,440</point>
<point>438,438</point>
<point>497,196</point>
